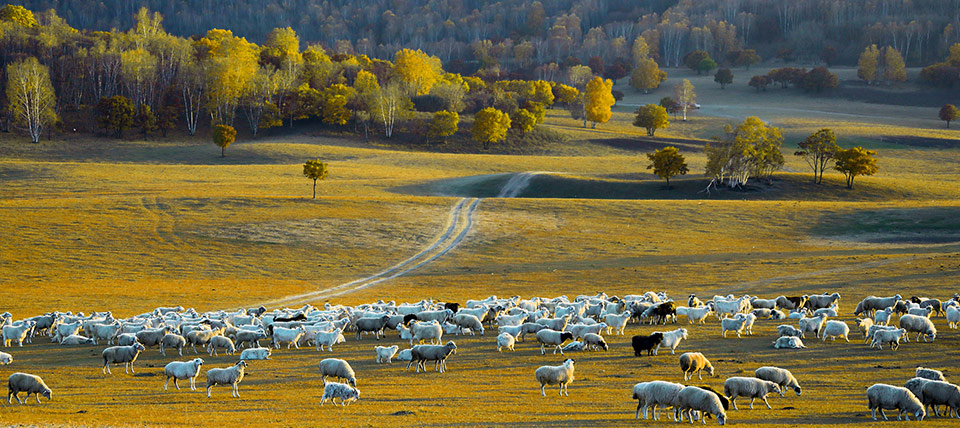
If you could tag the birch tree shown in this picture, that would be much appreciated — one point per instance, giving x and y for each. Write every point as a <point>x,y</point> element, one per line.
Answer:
<point>30,96</point>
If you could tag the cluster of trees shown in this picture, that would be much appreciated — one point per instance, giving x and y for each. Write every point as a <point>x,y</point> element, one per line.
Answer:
<point>876,65</point>
<point>946,73</point>
<point>817,79</point>
<point>149,79</point>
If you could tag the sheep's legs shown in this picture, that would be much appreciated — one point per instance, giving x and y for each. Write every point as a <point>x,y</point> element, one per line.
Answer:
<point>542,392</point>
<point>733,401</point>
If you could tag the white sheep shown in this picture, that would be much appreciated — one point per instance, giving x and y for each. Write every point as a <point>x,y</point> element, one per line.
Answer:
<point>921,325</point>
<point>126,339</point>
<point>694,362</point>
<point>788,342</point>
<point>953,316</point>
<point>290,336</point>
<point>201,337</point>
<point>62,330</point>
<point>171,340</point>
<point>452,329</point>
<point>121,354</point>
<point>937,393</point>
<point>426,330</point>
<point>76,339</point>
<point>699,315</point>
<point>923,312</point>
<point>18,333</point>
<point>5,358</point>
<point>748,325</point>
<point>385,354</point>
<point>882,317</point>
<point>555,375</point>
<point>334,390</point>
<point>789,330</point>
<point>779,376</point>
<point>505,340</point>
<point>692,398</point>
<point>930,374</point>
<point>749,387</point>
<point>813,324</point>
<point>732,324</point>
<point>881,396</point>
<point>182,370</point>
<point>469,321</point>
<point>863,324</point>
<point>616,323</point>
<point>653,394</point>
<point>595,342</point>
<point>339,368</point>
<point>329,338</point>
<point>575,346</point>
<point>106,332</point>
<point>255,354</point>
<point>875,328</point>
<point>835,329</point>
<point>671,339</point>
<point>227,376</point>
<point>220,342</point>
<point>915,385</point>
<point>888,336</point>
<point>553,338</point>
<point>31,384</point>
<point>405,355</point>
<point>423,353</point>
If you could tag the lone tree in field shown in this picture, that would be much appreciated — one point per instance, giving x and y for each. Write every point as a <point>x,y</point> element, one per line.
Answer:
<point>724,77</point>
<point>223,136</point>
<point>667,162</point>
<point>489,126</point>
<point>443,125</point>
<point>599,100</point>
<point>854,162</point>
<point>949,112</point>
<point>315,170</point>
<point>818,149</point>
<point>30,95</point>
<point>685,96</point>
<point>115,114</point>
<point>651,117</point>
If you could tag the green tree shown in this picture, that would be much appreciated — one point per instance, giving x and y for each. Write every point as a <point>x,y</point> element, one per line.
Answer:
<point>315,170</point>
<point>854,162</point>
<point>523,120</point>
<point>167,119</point>
<point>490,126</point>
<point>444,124</point>
<point>223,136</point>
<point>115,114</point>
<point>667,162</point>
<point>30,96</point>
<point>751,149</point>
<point>818,149</point>
<point>146,120</point>
<point>692,60</point>
<point>685,96</point>
<point>949,112</point>
<point>705,65</point>
<point>724,77</point>
<point>651,117</point>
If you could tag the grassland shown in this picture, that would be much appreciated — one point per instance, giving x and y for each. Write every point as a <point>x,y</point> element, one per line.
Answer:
<point>91,224</point>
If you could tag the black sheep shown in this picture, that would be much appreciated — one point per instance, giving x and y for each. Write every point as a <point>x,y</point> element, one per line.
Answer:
<point>409,318</point>
<point>454,306</point>
<point>665,310</point>
<point>646,343</point>
<point>298,317</point>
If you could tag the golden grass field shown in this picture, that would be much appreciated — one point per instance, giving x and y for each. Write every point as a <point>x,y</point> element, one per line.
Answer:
<point>98,224</point>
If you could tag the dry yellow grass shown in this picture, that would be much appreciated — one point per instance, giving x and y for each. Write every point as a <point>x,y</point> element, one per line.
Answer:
<point>142,224</point>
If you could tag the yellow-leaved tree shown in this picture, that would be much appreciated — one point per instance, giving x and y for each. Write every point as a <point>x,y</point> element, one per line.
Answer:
<point>599,100</point>
<point>894,68</point>
<point>30,96</point>
<point>490,126</point>
<point>869,64</point>
<point>230,64</point>
<point>418,70</point>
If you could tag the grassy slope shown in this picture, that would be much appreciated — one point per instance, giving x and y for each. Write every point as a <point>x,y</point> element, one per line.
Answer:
<point>150,224</point>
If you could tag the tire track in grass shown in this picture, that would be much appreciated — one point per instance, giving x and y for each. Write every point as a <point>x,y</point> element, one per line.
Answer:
<point>459,223</point>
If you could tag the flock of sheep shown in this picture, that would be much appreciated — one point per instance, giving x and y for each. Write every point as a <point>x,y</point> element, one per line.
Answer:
<point>558,324</point>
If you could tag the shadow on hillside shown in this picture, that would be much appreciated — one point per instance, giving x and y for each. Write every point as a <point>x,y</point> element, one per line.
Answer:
<point>923,225</point>
<point>648,144</point>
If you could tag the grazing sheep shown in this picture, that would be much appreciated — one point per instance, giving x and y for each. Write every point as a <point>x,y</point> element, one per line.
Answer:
<point>552,338</point>
<point>126,339</point>
<point>594,341</point>
<point>923,312</point>
<point>872,304</point>
<point>171,340</point>
<point>749,387</point>
<point>251,338</point>
<point>468,321</point>
<point>818,301</point>
<point>423,353</point>
<point>784,302</point>
<point>75,339</point>
<point>438,316</point>
<point>255,354</point>
<point>18,333</point>
<point>505,340</point>
<point>329,338</point>
<point>62,330</point>
<point>693,398</point>
<point>671,339</point>
<point>788,342</point>
<point>646,343</point>
<point>835,329</point>
<point>529,328</point>
<point>555,375</point>
<point>813,324</point>
<point>426,330</point>
<point>930,374</point>
<point>915,385</point>
<point>923,326</point>
<point>937,393</point>
<point>385,353</point>
<point>200,337</point>
<point>616,323</point>
<point>748,325</point>
<point>730,307</point>
<point>151,336</point>
<point>732,324</point>
<point>227,376</point>
<point>953,316</point>
<point>344,392</point>
<point>797,314</point>
<point>830,312</point>
<point>789,330</point>
<point>934,304</point>
<point>875,328</point>
<point>221,342</point>
<point>579,330</point>
<point>511,320</point>
<point>182,370</point>
<point>339,368</point>
<point>557,324</point>
<point>373,325</point>
<point>106,332</point>
<point>31,384</point>
<point>694,362</point>
<point>5,358</point>
<point>655,393</point>
<point>882,317</point>
<point>121,354</point>
<point>781,377</point>
<point>881,396</point>
<point>888,336</point>
<point>863,324</point>
<point>758,303</point>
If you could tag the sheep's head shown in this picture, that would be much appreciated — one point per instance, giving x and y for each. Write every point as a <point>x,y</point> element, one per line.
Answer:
<point>198,362</point>
<point>241,363</point>
<point>138,346</point>
<point>797,389</point>
<point>709,369</point>
<point>47,393</point>
<point>569,362</point>
<point>774,388</point>
<point>565,336</point>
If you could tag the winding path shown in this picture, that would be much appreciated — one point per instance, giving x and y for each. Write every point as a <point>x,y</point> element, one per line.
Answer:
<point>459,223</point>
